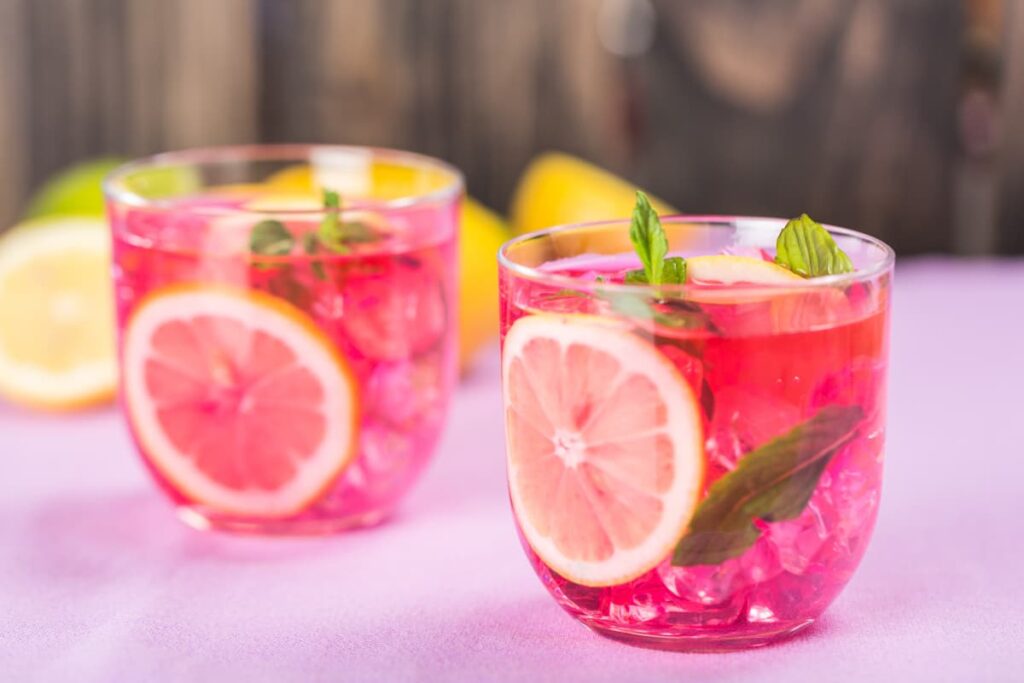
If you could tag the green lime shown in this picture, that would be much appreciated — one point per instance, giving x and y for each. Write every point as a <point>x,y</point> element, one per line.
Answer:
<point>163,181</point>
<point>76,191</point>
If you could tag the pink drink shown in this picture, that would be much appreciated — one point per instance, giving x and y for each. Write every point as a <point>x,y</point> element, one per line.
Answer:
<point>762,363</point>
<point>383,305</point>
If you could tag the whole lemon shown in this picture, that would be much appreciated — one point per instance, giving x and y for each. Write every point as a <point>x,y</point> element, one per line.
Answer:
<point>556,189</point>
<point>481,234</point>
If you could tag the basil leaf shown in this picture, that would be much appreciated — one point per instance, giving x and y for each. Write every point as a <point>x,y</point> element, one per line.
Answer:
<point>648,238</point>
<point>771,483</point>
<point>271,238</point>
<point>807,249</point>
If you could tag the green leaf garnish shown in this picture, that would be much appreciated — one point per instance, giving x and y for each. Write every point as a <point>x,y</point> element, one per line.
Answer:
<point>271,238</point>
<point>337,235</point>
<point>330,232</point>
<point>636,277</point>
<point>807,249</point>
<point>665,314</point>
<point>771,483</point>
<point>675,271</point>
<point>311,245</point>
<point>648,238</point>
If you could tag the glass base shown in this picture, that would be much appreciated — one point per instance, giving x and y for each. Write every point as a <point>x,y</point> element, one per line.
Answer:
<point>748,638</point>
<point>204,520</point>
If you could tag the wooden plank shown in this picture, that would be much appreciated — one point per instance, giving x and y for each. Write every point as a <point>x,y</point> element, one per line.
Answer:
<point>1011,160</point>
<point>71,79</point>
<point>337,72</point>
<point>191,72</point>
<point>844,110</point>
<point>14,111</point>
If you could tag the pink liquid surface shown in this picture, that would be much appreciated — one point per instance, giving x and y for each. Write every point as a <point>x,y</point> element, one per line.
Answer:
<point>760,368</point>
<point>387,306</point>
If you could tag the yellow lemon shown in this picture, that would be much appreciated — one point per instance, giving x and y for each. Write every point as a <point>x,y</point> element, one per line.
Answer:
<point>57,314</point>
<point>556,189</point>
<point>481,235</point>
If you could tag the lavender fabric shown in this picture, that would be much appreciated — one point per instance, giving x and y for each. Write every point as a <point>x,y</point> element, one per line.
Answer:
<point>100,582</point>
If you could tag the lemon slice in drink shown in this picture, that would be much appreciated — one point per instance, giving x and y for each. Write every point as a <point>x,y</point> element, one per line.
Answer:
<point>604,444</point>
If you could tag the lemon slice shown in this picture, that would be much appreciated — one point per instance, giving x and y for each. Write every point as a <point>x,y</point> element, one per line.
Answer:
<point>605,447</point>
<point>57,314</point>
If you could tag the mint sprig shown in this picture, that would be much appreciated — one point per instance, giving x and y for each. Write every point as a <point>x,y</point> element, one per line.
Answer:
<point>771,483</point>
<point>806,248</point>
<point>271,238</point>
<point>649,240</point>
<point>330,233</point>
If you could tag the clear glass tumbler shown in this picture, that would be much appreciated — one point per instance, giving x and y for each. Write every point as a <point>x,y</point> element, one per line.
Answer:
<point>693,466</point>
<point>286,320</point>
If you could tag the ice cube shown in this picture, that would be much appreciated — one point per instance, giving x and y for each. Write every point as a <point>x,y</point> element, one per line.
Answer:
<point>393,308</point>
<point>859,383</point>
<point>743,420</point>
<point>704,584</point>
<point>632,604</point>
<point>408,393</point>
<point>797,541</point>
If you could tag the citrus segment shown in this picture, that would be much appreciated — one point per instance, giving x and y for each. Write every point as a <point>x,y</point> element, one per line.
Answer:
<point>605,447</point>
<point>726,269</point>
<point>57,314</point>
<point>237,399</point>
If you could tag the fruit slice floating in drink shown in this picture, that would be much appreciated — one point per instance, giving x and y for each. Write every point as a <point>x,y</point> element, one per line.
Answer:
<point>240,402</point>
<point>605,447</point>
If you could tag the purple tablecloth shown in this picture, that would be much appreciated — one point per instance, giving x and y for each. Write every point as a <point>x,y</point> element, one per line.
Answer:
<point>100,582</point>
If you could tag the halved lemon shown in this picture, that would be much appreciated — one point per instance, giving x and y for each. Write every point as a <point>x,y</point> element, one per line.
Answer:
<point>604,444</point>
<point>238,399</point>
<point>57,314</point>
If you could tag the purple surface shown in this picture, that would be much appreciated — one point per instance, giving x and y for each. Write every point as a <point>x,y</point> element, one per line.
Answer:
<point>100,582</point>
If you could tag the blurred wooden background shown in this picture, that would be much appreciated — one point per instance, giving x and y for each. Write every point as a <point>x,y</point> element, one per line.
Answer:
<point>905,119</point>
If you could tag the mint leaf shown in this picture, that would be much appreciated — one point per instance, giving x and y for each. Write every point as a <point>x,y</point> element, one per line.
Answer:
<point>311,245</point>
<point>675,271</point>
<point>271,238</point>
<point>635,277</point>
<point>648,238</point>
<point>330,233</point>
<point>666,314</point>
<point>807,249</point>
<point>772,483</point>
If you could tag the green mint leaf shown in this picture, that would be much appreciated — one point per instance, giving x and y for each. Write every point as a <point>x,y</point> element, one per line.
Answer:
<point>771,483</point>
<point>636,277</point>
<point>665,314</point>
<point>332,200</point>
<point>807,249</point>
<point>354,231</point>
<point>336,235</point>
<point>675,271</point>
<point>330,232</point>
<point>648,238</point>
<point>311,245</point>
<point>271,238</point>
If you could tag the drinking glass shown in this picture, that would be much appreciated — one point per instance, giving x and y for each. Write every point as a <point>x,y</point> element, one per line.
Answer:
<point>693,466</point>
<point>286,319</point>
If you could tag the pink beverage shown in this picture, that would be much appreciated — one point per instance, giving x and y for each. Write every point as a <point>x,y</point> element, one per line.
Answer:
<point>755,397</point>
<point>287,329</point>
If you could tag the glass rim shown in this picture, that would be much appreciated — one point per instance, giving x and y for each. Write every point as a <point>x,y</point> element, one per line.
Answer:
<point>535,274</point>
<point>114,189</point>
